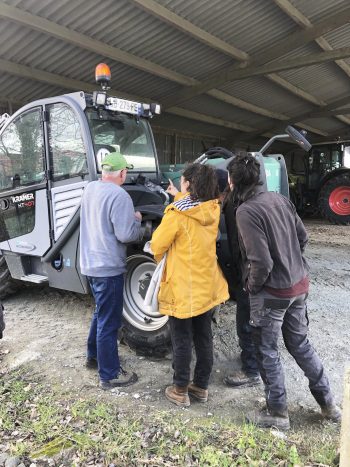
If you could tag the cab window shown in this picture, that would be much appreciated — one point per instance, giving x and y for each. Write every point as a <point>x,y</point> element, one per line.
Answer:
<point>22,152</point>
<point>67,150</point>
<point>119,132</point>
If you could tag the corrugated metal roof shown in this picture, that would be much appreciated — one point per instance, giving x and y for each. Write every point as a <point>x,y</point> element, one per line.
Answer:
<point>251,26</point>
<point>328,124</point>
<point>208,105</point>
<point>266,94</point>
<point>317,10</point>
<point>25,90</point>
<point>127,27</point>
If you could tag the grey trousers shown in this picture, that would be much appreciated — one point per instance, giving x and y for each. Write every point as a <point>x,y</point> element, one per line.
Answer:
<point>269,316</point>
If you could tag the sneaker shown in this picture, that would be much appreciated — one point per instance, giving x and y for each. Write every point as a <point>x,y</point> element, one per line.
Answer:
<point>91,363</point>
<point>177,395</point>
<point>124,378</point>
<point>240,378</point>
<point>265,419</point>
<point>331,412</point>
<point>198,393</point>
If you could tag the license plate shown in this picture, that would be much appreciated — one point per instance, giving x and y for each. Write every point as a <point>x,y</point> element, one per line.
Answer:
<point>121,105</point>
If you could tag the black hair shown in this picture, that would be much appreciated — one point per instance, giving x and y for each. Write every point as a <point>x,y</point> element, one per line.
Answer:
<point>244,173</point>
<point>222,176</point>
<point>203,182</point>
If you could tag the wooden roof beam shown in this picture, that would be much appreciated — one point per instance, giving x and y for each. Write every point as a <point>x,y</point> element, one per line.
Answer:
<point>300,118</point>
<point>234,74</point>
<point>182,24</point>
<point>305,23</point>
<point>77,85</point>
<point>48,27</point>
<point>291,42</point>
<point>154,8</point>
<point>85,42</point>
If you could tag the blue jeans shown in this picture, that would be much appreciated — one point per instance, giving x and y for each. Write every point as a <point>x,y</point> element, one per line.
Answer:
<point>102,341</point>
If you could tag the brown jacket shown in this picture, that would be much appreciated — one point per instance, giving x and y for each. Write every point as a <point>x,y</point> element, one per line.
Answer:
<point>272,239</point>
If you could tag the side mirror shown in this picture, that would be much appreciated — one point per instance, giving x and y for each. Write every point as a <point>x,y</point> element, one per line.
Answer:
<point>298,138</point>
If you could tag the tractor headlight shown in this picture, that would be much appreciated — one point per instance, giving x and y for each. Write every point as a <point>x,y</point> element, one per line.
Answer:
<point>99,98</point>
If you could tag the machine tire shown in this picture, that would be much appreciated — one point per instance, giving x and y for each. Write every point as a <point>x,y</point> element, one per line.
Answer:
<point>334,199</point>
<point>7,285</point>
<point>154,344</point>
<point>146,333</point>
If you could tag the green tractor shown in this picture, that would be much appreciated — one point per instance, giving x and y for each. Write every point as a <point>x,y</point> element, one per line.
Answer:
<point>322,185</point>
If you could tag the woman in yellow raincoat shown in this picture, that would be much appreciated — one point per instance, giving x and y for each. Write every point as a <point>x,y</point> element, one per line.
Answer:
<point>192,283</point>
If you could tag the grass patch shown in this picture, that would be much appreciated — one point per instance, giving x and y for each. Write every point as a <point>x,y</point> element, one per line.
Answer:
<point>37,421</point>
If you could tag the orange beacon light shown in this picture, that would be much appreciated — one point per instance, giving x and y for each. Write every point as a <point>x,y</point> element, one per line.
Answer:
<point>103,75</point>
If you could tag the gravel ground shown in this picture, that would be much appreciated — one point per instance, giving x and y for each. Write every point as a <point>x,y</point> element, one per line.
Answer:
<point>47,329</point>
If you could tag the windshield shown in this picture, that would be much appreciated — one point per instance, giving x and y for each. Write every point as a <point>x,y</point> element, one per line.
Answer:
<point>111,132</point>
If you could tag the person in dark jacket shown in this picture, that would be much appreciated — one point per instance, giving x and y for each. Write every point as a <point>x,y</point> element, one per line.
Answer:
<point>249,373</point>
<point>2,320</point>
<point>273,239</point>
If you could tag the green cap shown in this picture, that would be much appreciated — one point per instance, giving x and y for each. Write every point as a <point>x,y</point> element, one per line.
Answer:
<point>115,161</point>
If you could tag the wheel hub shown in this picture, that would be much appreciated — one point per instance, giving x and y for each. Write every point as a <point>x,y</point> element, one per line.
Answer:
<point>140,269</point>
<point>339,201</point>
<point>143,284</point>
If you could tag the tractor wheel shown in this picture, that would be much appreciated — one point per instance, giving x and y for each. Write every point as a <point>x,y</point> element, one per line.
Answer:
<point>334,200</point>
<point>7,284</point>
<point>147,333</point>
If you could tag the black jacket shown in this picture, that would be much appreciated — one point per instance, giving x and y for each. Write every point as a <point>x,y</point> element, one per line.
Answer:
<point>272,239</point>
<point>2,321</point>
<point>229,210</point>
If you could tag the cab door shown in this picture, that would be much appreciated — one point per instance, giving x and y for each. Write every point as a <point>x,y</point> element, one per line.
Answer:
<point>67,160</point>
<point>24,218</point>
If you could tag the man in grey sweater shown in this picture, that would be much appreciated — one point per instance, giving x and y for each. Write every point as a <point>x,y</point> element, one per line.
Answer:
<point>108,221</point>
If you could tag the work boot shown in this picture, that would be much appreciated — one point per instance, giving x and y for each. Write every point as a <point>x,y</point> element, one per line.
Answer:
<point>198,393</point>
<point>266,418</point>
<point>91,363</point>
<point>178,395</point>
<point>331,412</point>
<point>124,378</point>
<point>241,379</point>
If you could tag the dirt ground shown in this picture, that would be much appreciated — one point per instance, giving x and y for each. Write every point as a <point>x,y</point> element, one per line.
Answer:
<point>47,329</point>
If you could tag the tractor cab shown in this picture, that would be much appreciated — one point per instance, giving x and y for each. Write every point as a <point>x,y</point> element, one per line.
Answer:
<point>323,159</point>
<point>322,185</point>
<point>49,150</point>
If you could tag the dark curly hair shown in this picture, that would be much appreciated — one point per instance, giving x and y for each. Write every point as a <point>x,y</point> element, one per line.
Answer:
<point>203,182</point>
<point>244,173</point>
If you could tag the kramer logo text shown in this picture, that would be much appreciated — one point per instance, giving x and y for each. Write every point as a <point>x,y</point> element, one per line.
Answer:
<point>23,200</point>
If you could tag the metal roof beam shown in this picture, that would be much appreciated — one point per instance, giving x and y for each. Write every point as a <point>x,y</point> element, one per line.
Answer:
<point>166,15</point>
<point>234,74</point>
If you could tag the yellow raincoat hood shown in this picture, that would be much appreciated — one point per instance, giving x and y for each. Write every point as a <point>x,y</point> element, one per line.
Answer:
<point>192,282</point>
